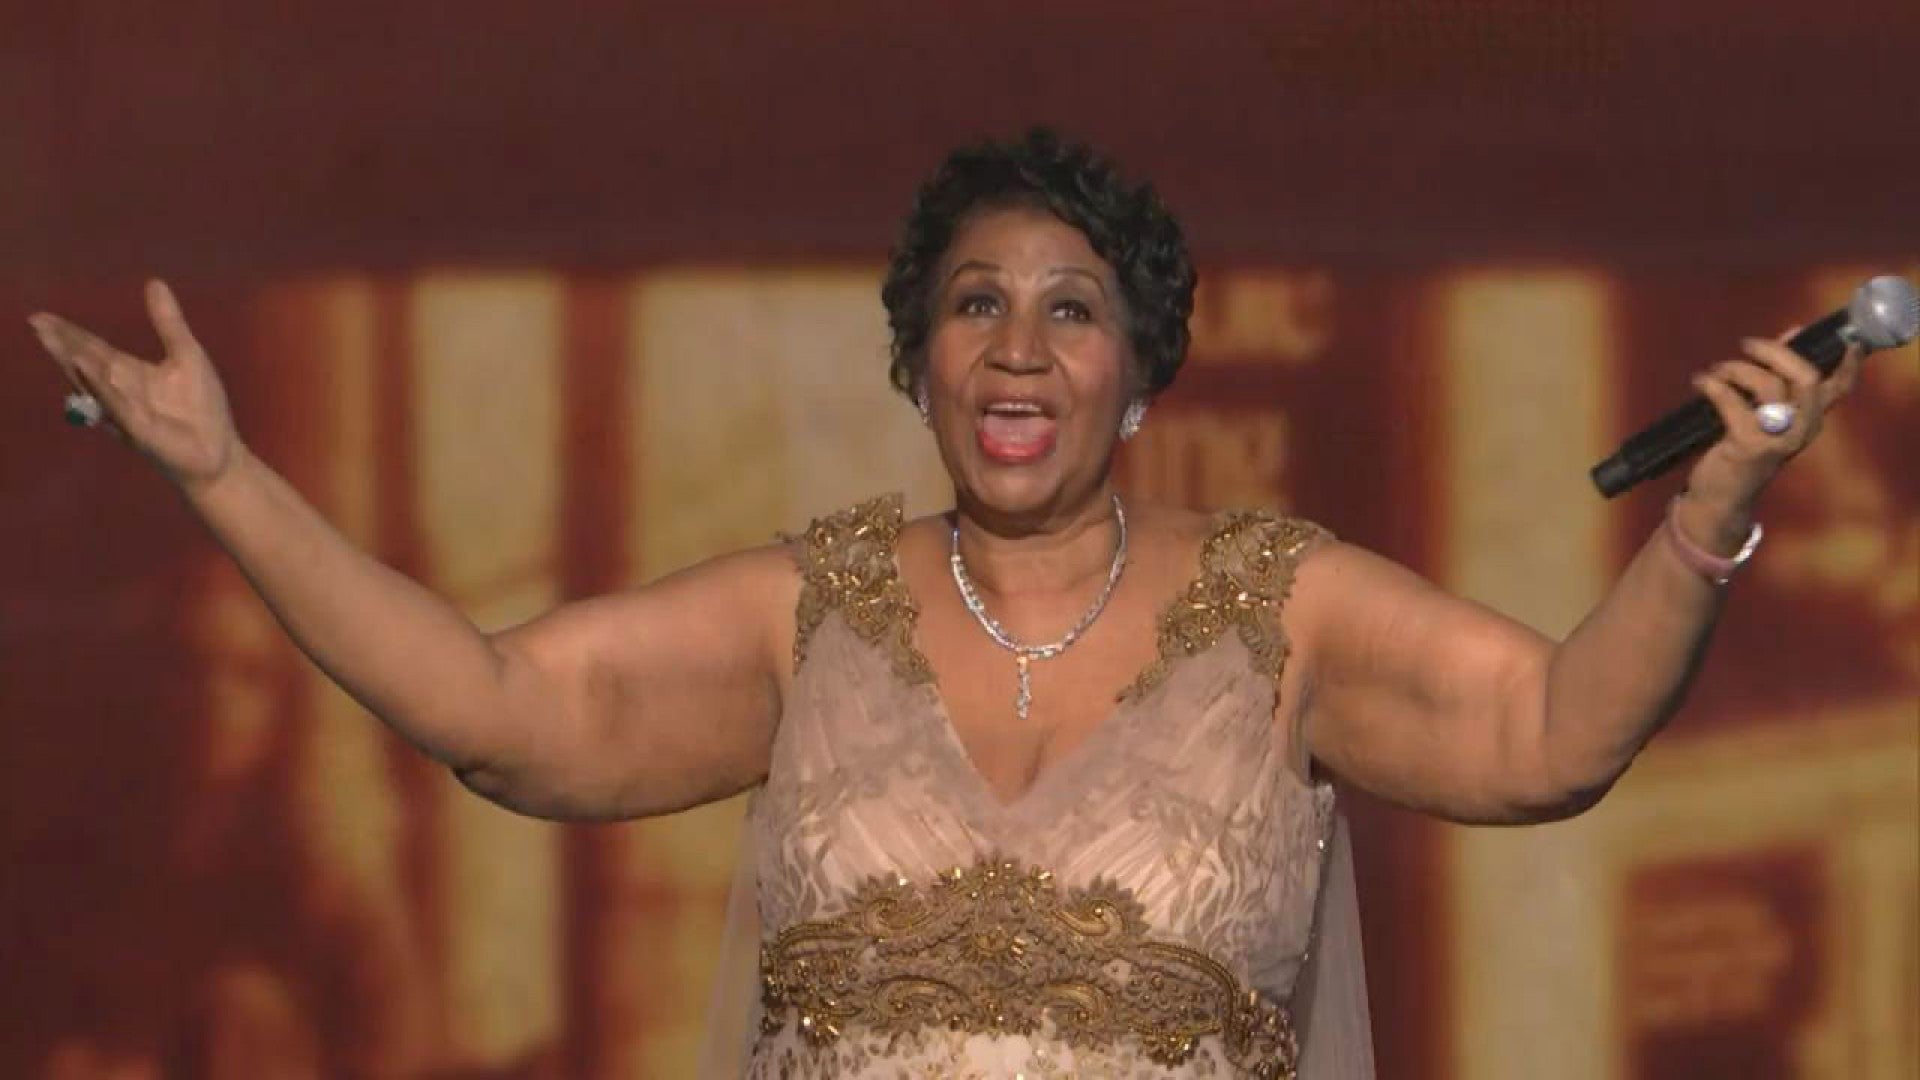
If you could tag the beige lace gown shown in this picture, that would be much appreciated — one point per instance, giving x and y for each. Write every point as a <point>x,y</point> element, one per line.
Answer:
<point>1146,909</point>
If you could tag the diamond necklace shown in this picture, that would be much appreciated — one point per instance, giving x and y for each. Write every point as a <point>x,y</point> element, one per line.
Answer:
<point>1024,655</point>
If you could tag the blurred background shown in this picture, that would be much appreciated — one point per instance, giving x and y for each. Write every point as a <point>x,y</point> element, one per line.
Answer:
<point>537,301</point>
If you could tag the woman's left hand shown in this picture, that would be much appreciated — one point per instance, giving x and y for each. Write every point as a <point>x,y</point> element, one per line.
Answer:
<point>1732,473</point>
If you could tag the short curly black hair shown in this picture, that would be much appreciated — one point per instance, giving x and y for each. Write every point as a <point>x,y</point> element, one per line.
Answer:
<point>1129,227</point>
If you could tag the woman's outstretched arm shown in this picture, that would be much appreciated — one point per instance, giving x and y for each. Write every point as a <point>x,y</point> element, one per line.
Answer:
<point>1449,707</point>
<point>638,703</point>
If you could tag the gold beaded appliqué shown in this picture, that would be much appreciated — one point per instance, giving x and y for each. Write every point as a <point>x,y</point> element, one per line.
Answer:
<point>1246,571</point>
<point>1000,948</point>
<point>847,565</point>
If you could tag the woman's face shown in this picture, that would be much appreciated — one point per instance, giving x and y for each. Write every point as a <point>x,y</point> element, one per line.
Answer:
<point>1028,364</point>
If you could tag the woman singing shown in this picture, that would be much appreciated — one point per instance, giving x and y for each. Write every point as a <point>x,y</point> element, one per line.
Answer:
<point>1043,783</point>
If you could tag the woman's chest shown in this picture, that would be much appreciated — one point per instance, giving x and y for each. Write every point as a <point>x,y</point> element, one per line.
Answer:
<point>1018,717</point>
<point>1186,785</point>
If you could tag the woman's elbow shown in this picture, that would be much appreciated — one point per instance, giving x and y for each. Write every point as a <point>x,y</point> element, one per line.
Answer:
<point>1554,799</point>
<point>1548,777</point>
<point>1560,806</point>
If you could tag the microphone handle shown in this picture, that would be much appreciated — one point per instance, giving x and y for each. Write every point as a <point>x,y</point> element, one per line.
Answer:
<point>1695,426</point>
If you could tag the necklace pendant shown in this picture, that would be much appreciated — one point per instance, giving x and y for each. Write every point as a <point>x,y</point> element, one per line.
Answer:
<point>1024,655</point>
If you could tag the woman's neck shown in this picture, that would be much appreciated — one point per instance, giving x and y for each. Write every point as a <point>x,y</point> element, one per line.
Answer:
<point>1009,558</point>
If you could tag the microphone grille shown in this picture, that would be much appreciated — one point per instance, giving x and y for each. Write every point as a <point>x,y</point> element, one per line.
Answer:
<point>1885,312</point>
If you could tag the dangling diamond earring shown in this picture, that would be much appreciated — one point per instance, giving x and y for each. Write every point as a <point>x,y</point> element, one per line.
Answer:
<point>1130,422</point>
<point>926,407</point>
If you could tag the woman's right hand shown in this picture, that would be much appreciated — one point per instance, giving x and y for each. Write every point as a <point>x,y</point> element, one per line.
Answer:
<point>174,411</point>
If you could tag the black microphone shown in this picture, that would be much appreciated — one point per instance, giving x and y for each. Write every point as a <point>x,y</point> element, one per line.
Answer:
<point>1884,314</point>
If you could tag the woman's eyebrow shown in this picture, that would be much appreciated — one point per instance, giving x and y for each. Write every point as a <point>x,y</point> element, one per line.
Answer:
<point>1057,271</point>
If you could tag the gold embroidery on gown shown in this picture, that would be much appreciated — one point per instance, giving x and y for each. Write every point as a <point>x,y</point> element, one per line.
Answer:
<point>846,565</point>
<point>1246,571</point>
<point>1142,911</point>
<point>998,947</point>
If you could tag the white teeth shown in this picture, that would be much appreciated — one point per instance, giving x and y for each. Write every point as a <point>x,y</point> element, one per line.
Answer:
<point>1015,408</point>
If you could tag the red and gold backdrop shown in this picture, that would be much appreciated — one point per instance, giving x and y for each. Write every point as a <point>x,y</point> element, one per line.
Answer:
<point>541,305</point>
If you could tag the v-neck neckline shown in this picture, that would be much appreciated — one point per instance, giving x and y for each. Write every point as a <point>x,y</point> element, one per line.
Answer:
<point>1057,773</point>
<point>1048,777</point>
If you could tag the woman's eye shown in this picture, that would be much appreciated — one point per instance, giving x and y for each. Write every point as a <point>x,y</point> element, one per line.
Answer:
<point>1073,310</point>
<point>977,304</point>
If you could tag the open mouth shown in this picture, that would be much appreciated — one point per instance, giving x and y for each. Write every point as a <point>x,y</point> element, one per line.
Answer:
<point>1015,431</point>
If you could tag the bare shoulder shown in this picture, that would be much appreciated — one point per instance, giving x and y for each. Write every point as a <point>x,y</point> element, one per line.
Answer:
<point>759,586</point>
<point>1167,538</point>
<point>758,579</point>
<point>1356,614</point>
<point>1256,547</point>
<point>765,579</point>
<point>1331,573</point>
<point>727,607</point>
<point>1176,524</point>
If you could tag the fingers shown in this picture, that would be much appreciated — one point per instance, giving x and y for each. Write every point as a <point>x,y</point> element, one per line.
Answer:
<point>49,329</point>
<point>1759,383</point>
<point>73,376</point>
<point>1772,372</point>
<point>1773,381</point>
<point>1844,377</point>
<point>1794,370</point>
<point>1809,390</point>
<point>82,385</point>
<point>64,339</point>
<point>1735,408</point>
<point>168,320</point>
<point>92,365</point>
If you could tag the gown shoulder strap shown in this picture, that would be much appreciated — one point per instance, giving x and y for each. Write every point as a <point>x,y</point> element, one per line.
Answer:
<point>848,567</point>
<point>1246,571</point>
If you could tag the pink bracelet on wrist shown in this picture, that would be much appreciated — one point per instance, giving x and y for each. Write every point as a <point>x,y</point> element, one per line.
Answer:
<point>1715,568</point>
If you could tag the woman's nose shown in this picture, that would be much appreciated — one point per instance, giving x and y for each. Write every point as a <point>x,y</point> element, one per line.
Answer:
<point>1021,346</point>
